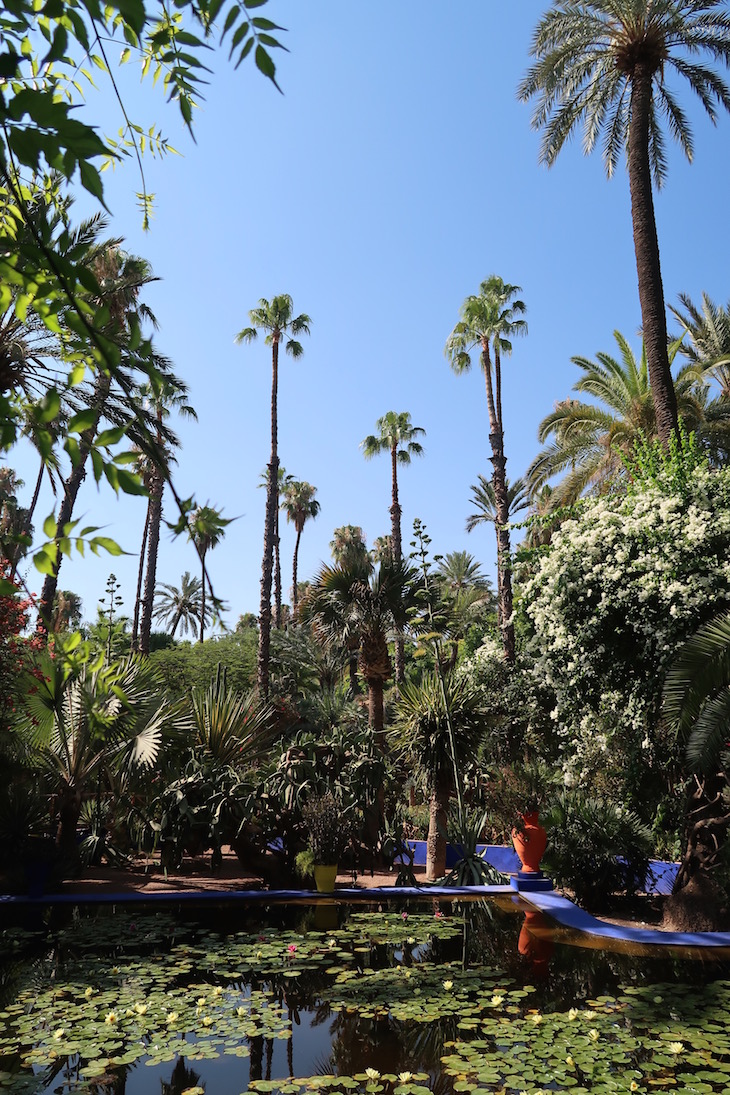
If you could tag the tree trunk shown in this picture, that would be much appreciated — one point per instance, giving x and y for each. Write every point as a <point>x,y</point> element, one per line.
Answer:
<point>140,577</point>
<point>396,545</point>
<point>157,487</point>
<point>272,493</point>
<point>706,828</point>
<point>501,504</point>
<point>438,806</point>
<point>28,523</point>
<point>646,247</point>
<point>376,711</point>
<point>294,573</point>
<point>277,561</point>
<point>202,600</point>
<point>70,491</point>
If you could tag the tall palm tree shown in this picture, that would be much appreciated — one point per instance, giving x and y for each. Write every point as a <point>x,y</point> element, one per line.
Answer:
<point>488,321</point>
<point>168,394</point>
<point>587,440</point>
<point>465,592</point>
<point>395,436</point>
<point>276,318</point>
<point>206,529</point>
<point>485,510</point>
<point>300,506</point>
<point>181,606</point>
<point>708,344</point>
<point>603,64</point>
<point>362,606</point>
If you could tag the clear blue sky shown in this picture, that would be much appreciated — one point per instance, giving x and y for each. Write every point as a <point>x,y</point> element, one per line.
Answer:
<point>396,172</point>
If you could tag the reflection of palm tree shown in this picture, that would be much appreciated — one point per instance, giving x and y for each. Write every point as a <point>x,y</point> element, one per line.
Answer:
<point>181,606</point>
<point>603,64</point>
<point>182,1078</point>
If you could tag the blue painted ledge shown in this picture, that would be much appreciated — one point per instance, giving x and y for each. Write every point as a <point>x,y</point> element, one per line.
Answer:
<point>568,915</point>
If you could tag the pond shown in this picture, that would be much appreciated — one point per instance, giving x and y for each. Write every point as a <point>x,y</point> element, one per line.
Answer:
<point>398,1000</point>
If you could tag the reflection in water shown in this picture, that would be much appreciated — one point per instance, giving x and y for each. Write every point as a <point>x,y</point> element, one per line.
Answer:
<point>536,943</point>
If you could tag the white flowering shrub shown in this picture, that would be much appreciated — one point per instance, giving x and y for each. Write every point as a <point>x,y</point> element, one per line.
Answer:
<point>619,590</point>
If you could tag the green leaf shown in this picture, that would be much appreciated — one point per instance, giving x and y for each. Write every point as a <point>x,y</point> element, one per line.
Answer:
<point>91,180</point>
<point>43,562</point>
<point>111,437</point>
<point>84,420</point>
<point>49,406</point>
<point>49,526</point>
<point>106,544</point>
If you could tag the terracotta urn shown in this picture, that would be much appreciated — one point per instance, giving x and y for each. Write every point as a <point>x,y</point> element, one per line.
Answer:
<point>530,842</point>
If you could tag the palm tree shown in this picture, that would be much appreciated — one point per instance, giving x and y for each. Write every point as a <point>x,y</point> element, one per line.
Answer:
<point>206,529</point>
<point>708,329</point>
<point>603,63</point>
<point>283,479</point>
<point>348,547</point>
<point>423,731</point>
<point>395,436</point>
<point>482,499</point>
<point>300,506</point>
<point>588,439</point>
<point>696,703</point>
<point>167,394</point>
<point>465,593</point>
<point>276,318</point>
<point>80,724</point>
<point>181,607</point>
<point>120,278</point>
<point>488,321</point>
<point>360,606</point>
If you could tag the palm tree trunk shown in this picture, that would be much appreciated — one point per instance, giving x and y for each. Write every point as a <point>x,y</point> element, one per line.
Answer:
<point>395,515</point>
<point>140,577</point>
<point>294,572</point>
<point>501,505</point>
<point>202,599</point>
<point>70,492</point>
<point>646,247</point>
<point>157,487</point>
<point>376,711</point>
<point>272,492</point>
<point>277,562</point>
<point>438,805</point>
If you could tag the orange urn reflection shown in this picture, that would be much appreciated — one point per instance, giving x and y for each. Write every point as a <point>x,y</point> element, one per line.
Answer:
<point>536,943</point>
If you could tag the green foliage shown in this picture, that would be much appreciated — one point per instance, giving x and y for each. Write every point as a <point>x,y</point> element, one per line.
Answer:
<point>186,666</point>
<point>471,868</point>
<point>596,848</point>
<point>328,830</point>
<point>670,469</point>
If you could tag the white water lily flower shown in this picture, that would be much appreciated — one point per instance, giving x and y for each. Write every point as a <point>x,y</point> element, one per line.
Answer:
<point>496,1001</point>
<point>569,1061</point>
<point>140,1008</point>
<point>372,1073</point>
<point>633,1086</point>
<point>171,1017</point>
<point>536,1018</point>
<point>448,985</point>
<point>111,1018</point>
<point>593,1034</point>
<point>217,991</point>
<point>241,1012</point>
<point>89,992</point>
<point>331,942</point>
<point>573,1014</point>
<point>58,1035</point>
<point>404,1077</point>
<point>676,1047</point>
<point>207,1021</point>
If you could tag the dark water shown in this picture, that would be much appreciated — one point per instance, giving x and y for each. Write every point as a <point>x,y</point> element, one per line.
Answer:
<point>298,992</point>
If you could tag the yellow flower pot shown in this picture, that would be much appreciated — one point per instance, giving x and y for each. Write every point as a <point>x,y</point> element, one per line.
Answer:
<point>325,876</point>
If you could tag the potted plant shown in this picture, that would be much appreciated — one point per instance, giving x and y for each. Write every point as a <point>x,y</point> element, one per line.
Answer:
<point>517,795</point>
<point>329,836</point>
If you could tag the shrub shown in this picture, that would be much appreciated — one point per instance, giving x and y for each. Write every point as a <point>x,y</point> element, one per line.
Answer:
<point>595,848</point>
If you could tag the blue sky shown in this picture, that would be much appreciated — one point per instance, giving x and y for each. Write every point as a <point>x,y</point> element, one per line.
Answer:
<point>396,172</point>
